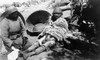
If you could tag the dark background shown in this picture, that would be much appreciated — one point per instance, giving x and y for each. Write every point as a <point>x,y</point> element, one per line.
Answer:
<point>94,13</point>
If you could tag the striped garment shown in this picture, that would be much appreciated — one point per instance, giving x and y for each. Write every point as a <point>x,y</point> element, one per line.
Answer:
<point>58,29</point>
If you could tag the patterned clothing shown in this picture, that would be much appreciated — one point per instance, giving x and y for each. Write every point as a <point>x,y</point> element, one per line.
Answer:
<point>58,29</point>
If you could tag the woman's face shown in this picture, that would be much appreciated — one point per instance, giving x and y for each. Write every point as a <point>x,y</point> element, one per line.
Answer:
<point>57,15</point>
<point>13,16</point>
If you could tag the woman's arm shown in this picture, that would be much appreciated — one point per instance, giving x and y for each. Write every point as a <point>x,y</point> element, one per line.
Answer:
<point>4,33</point>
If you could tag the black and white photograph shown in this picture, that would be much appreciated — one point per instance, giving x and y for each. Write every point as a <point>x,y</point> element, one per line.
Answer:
<point>49,29</point>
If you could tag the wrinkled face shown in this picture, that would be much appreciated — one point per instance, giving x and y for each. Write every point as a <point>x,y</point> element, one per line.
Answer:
<point>57,15</point>
<point>13,16</point>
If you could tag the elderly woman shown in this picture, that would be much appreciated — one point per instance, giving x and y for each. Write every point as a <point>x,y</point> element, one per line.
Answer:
<point>11,28</point>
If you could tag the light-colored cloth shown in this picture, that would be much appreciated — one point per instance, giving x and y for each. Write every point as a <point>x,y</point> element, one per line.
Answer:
<point>3,51</point>
<point>14,54</point>
<point>56,32</point>
<point>61,22</point>
<point>58,29</point>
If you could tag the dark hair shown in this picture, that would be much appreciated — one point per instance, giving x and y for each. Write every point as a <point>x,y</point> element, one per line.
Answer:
<point>14,16</point>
